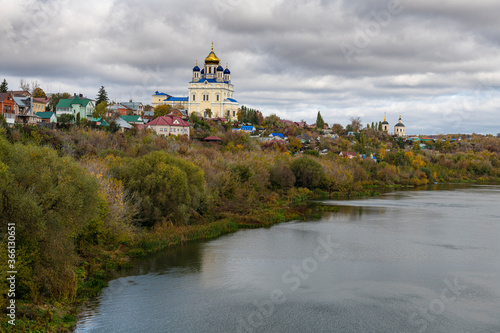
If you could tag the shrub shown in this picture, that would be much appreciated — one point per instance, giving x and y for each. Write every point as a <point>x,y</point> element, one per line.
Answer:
<point>281,176</point>
<point>308,172</point>
<point>167,187</point>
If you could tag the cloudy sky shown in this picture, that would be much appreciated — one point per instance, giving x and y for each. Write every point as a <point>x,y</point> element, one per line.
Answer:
<point>435,63</point>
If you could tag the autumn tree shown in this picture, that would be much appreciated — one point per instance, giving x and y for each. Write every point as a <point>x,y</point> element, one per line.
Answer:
<point>28,87</point>
<point>39,93</point>
<point>356,124</point>
<point>294,144</point>
<point>4,87</point>
<point>102,96</point>
<point>338,129</point>
<point>162,110</point>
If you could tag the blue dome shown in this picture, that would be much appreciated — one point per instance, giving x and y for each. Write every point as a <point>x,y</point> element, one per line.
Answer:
<point>203,71</point>
<point>227,71</point>
<point>220,69</point>
<point>196,69</point>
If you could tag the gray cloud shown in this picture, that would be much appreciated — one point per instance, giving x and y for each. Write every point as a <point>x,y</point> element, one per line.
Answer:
<point>433,63</point>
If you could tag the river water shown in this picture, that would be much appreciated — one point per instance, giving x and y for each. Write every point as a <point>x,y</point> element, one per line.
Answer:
<point>407,261</point>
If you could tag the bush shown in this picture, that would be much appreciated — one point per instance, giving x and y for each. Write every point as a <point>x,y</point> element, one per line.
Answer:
<point>308,172</point>
<point>167,187</point>
<point>281,176</point>
<point>311,152</point>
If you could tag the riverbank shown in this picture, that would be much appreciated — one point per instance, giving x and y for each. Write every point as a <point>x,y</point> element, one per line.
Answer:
<point>390,256</point>
<point>59,317</point>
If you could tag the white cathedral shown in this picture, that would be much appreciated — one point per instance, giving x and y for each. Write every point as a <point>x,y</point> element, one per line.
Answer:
<point>210,92</point>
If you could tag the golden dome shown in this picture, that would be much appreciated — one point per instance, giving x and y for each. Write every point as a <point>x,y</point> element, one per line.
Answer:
<point>212,58</point>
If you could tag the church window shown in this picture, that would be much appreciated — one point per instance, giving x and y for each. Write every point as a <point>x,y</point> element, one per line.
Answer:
<point>194,97</point>
<point>217,97</point>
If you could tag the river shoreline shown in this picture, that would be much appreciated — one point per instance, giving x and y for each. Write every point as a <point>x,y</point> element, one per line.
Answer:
<point>59,317</point>
<point>364,240</point>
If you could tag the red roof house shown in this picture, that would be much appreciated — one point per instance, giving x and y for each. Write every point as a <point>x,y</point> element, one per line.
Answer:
<point>348,154</point>
<point>169,125</point>
<point>7,107</point>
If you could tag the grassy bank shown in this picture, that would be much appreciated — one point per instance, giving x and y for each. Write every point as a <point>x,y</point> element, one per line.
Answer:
<point>61,317</point>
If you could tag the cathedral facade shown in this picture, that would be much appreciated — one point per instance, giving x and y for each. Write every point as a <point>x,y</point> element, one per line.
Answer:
<point>211,92</point>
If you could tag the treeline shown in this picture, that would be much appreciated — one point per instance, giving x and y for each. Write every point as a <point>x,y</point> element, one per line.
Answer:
<point>82,199</point>
<point>250,116</point>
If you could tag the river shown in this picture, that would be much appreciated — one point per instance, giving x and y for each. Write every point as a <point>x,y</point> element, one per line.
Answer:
<point>406,261</point>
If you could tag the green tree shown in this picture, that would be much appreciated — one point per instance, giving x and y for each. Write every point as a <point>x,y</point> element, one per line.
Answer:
<point>66,118</point>
<point>400,143</point>
<point>162,110</point>
<point>55,98</point>
<point>308,172</point>
<point>100,110</point>
<point>208,112</point>
<point>380,126</point>
<point>102,96</point>
<point>4,87</point>
<point>50,199</point>
<point>168,187</point>
<point>272,121</point>
<point>113,126</point>
<point>320,123</point>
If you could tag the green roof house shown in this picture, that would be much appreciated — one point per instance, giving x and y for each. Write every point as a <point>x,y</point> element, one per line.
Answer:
<point>133,119</point>
<point>82,108</point>
<point>47,117</point>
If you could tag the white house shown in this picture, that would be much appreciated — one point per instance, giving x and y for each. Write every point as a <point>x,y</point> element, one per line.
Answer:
<point>169,125</point>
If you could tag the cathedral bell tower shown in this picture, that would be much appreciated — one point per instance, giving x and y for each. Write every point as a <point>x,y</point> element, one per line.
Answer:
<point>385,124</point>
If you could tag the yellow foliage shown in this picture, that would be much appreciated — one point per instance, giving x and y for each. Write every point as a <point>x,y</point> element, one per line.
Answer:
<point>418,163</point>
<point>409,156</point>
<point>381,154</point>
